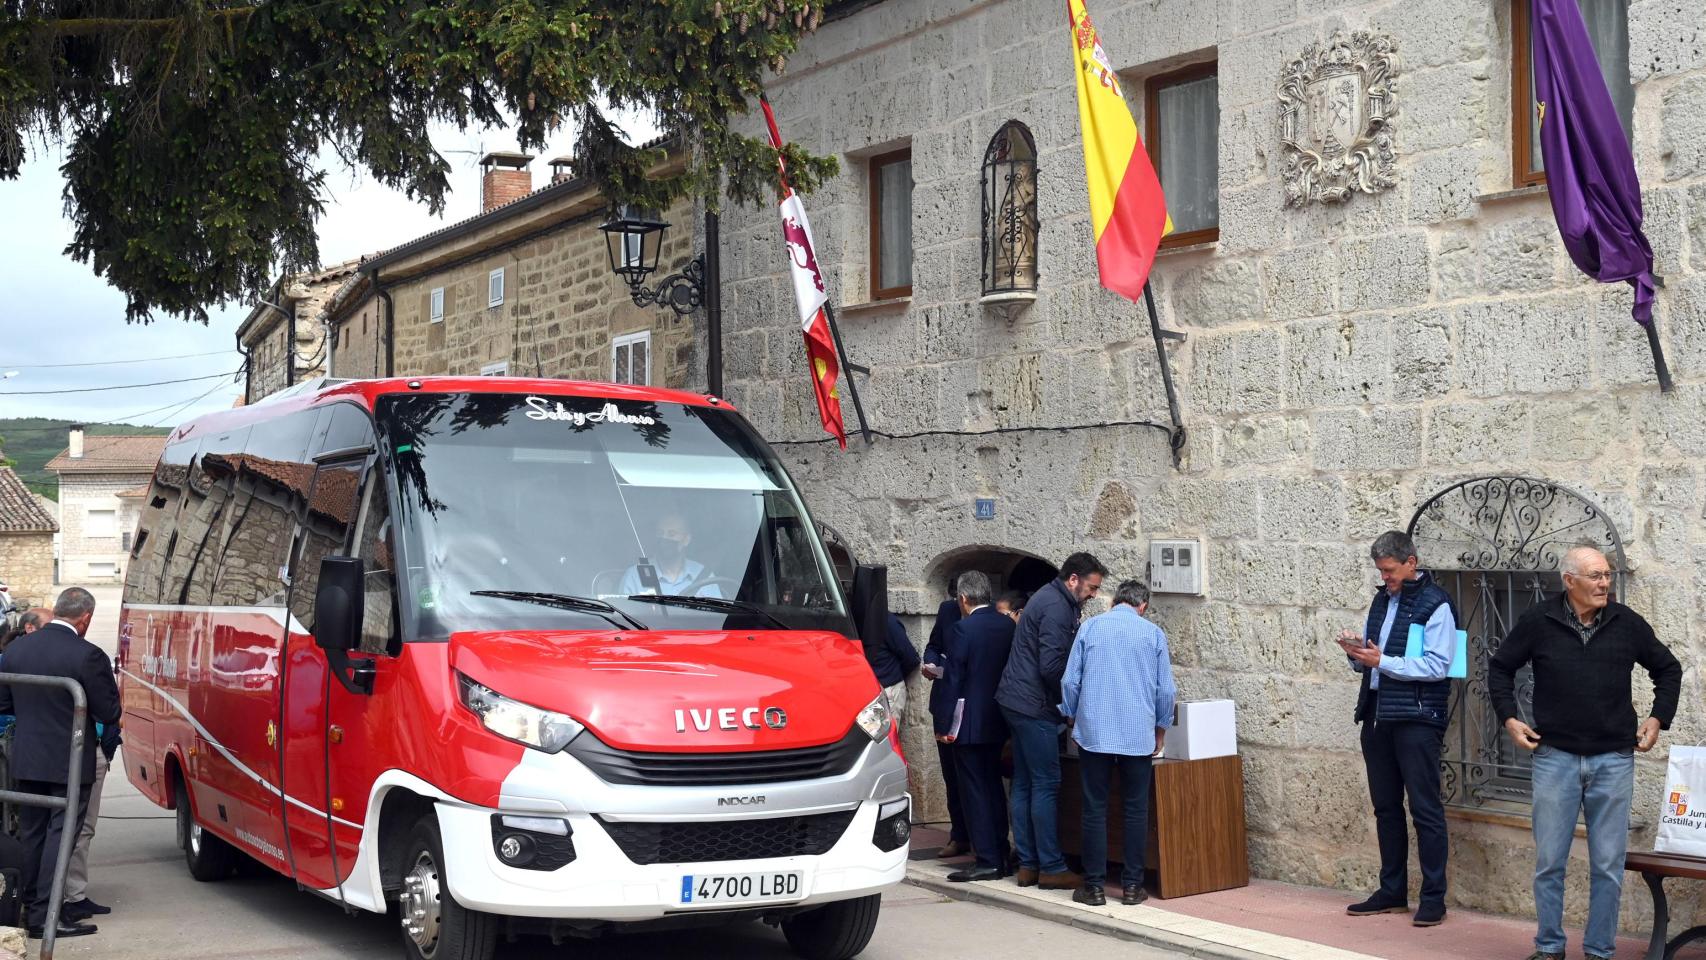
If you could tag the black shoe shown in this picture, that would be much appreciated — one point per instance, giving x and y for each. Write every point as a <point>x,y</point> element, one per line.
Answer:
<point>976,873</point>
<point>1090,895</point>
<point>94,909</point>
<point>1429,915</point>
<point>1133,894</point>
<point>1377,904</point>
<point>65,929</point>
<point>81,909</point>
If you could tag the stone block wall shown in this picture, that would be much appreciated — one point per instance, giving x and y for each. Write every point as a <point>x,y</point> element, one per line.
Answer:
<point>266,360</point>
<point>358,350</point>
<point>26,563</point>
<point>1344,363</point>
<point>562,307</point>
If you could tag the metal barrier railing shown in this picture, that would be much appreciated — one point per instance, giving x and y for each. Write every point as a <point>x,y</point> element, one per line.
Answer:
<point>67,803</point>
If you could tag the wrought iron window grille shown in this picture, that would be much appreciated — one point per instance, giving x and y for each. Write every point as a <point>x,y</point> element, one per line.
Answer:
<point>1497,545</point>
<point>1010,224</point>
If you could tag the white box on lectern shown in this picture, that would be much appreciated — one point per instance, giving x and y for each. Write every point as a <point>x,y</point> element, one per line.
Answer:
<point>1203,729</point>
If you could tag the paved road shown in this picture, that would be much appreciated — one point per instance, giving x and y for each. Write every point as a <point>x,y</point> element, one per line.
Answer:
<point>163,914</point>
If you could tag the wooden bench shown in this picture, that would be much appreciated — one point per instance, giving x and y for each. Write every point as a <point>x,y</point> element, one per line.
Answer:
<point>1655,868</point>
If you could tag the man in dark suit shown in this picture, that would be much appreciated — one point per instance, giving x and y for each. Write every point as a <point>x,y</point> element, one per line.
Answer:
<point>977,655</point>
<point>41,739</point>
<point>942,714</point>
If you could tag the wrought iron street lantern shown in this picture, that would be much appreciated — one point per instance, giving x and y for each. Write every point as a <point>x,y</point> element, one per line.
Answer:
<point>634,241</point>
<point>1010,211</point>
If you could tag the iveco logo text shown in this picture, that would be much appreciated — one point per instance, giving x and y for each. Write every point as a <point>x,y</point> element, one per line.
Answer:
<point>740,801</point>
<point>730,718</point>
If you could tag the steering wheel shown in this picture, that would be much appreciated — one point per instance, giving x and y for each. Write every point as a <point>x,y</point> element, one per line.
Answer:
<point>729,592</point>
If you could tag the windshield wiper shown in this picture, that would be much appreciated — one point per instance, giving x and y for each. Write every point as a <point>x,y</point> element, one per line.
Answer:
<point>707,603</point>
<point>567,601</point>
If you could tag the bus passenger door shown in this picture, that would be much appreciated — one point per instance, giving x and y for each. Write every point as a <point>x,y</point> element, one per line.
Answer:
<point>323,530</point>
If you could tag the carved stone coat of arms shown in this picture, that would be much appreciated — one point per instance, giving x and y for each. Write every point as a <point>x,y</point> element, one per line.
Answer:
<point>1337,104</point>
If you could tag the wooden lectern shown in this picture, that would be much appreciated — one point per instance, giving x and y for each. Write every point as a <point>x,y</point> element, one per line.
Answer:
<point>1197,840</point>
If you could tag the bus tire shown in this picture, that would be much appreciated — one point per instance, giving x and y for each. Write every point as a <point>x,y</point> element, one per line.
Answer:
<point>834,931</point>
<point>435,926</point>
<point>208,857</point>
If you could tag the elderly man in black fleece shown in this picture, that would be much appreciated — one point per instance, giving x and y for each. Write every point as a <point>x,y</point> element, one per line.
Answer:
<point>1584,647</point>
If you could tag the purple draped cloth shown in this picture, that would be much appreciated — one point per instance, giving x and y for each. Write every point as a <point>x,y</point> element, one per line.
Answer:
<point>1590,171</point>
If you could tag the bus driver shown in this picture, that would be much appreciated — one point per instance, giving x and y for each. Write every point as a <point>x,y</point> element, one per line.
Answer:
<point>674,572</point>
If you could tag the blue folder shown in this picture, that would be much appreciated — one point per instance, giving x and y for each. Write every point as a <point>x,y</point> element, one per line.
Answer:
<point>1459,669</point>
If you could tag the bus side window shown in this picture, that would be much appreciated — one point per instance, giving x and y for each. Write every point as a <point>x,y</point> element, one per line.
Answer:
<point>374,547</point>
<point>207,516</point>
<point>272,477</point>
<point>154,529</point>
<point>180,547</point>
<point>332,507</point>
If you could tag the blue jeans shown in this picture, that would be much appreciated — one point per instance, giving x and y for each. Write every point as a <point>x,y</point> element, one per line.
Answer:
<point>1564,785</point>
<point>1036,792</point>
<point>1098,770</point>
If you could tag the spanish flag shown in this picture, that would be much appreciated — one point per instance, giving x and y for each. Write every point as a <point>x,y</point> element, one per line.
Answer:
<point>1127,211</point>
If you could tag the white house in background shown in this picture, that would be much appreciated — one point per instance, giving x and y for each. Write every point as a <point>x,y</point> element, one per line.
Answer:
<point>102,481</point>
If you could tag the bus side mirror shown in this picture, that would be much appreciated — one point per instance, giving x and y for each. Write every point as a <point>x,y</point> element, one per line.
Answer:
<point>870,603</point>
<point>338,604</point>
<point>339,609</point>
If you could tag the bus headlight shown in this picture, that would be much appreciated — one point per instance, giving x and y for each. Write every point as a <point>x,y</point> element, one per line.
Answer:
<point>544,730</point>
<point>876,718</point>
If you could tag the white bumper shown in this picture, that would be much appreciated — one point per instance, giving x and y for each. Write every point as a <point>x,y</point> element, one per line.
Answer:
<point>603,883</point>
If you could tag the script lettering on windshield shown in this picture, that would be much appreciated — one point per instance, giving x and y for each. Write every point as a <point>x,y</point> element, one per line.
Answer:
<point>544,409</point>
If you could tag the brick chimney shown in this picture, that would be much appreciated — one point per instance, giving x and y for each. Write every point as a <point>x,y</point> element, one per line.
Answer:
<point>505,178</point>
<point>562,169</point>
<point>74,448</point>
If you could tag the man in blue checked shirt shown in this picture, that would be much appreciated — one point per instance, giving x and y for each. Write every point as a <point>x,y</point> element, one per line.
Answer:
<point>1403,707</point>
<point>1118,690</point>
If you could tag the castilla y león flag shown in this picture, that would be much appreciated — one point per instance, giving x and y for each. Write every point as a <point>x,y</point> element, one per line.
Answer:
<point>1128,214</point>
<point>810,294</point>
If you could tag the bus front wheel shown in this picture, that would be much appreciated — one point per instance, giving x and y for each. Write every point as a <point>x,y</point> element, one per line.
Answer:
<point>435,926</point>
<point>834,931</point>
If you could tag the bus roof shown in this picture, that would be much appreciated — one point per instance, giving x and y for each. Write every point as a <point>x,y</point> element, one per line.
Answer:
<point>367,392</point>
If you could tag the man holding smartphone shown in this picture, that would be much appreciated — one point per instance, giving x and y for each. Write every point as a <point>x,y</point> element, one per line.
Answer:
<point>1403,708</point>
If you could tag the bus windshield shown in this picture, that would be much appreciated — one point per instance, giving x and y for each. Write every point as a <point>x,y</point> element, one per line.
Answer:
<point>522,512</point>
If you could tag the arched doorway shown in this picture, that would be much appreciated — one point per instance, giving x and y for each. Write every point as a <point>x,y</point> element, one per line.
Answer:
<point>1008,569</point>
<point>1496,544</point>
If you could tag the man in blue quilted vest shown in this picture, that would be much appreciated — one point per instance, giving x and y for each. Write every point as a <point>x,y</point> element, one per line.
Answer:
<point>1403,708</point>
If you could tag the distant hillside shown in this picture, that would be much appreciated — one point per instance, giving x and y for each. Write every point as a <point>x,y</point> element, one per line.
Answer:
<point>33,441</point>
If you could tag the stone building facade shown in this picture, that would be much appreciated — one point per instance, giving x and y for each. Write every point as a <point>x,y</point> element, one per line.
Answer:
<point>1344,363</point>
<point>102,482</point>
<point>287,345</point>
<point>26,541</point>
<point>523,289</point>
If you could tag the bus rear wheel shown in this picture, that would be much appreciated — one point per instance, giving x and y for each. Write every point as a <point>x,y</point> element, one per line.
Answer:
<point>435,926</point>
<point>208,857</point>
<point>834,931</point>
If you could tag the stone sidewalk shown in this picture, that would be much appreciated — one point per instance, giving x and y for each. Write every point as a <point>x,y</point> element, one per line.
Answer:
<point>1264,921</point>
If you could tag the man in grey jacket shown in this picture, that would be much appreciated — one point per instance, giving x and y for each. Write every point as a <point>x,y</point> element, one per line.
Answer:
<point>1029,696</point>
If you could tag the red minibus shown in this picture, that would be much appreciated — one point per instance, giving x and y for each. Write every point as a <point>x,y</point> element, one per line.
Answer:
<point>516,656</point>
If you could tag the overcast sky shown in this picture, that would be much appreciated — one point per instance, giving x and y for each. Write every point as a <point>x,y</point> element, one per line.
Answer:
<point>55,313</point>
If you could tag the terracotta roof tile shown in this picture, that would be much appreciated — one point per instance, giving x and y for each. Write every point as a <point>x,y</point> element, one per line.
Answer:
<point>20,511</point>
<point>115,454</point>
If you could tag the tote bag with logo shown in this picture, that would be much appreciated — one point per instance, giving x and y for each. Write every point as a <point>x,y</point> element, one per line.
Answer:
<point>1682,827</point>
